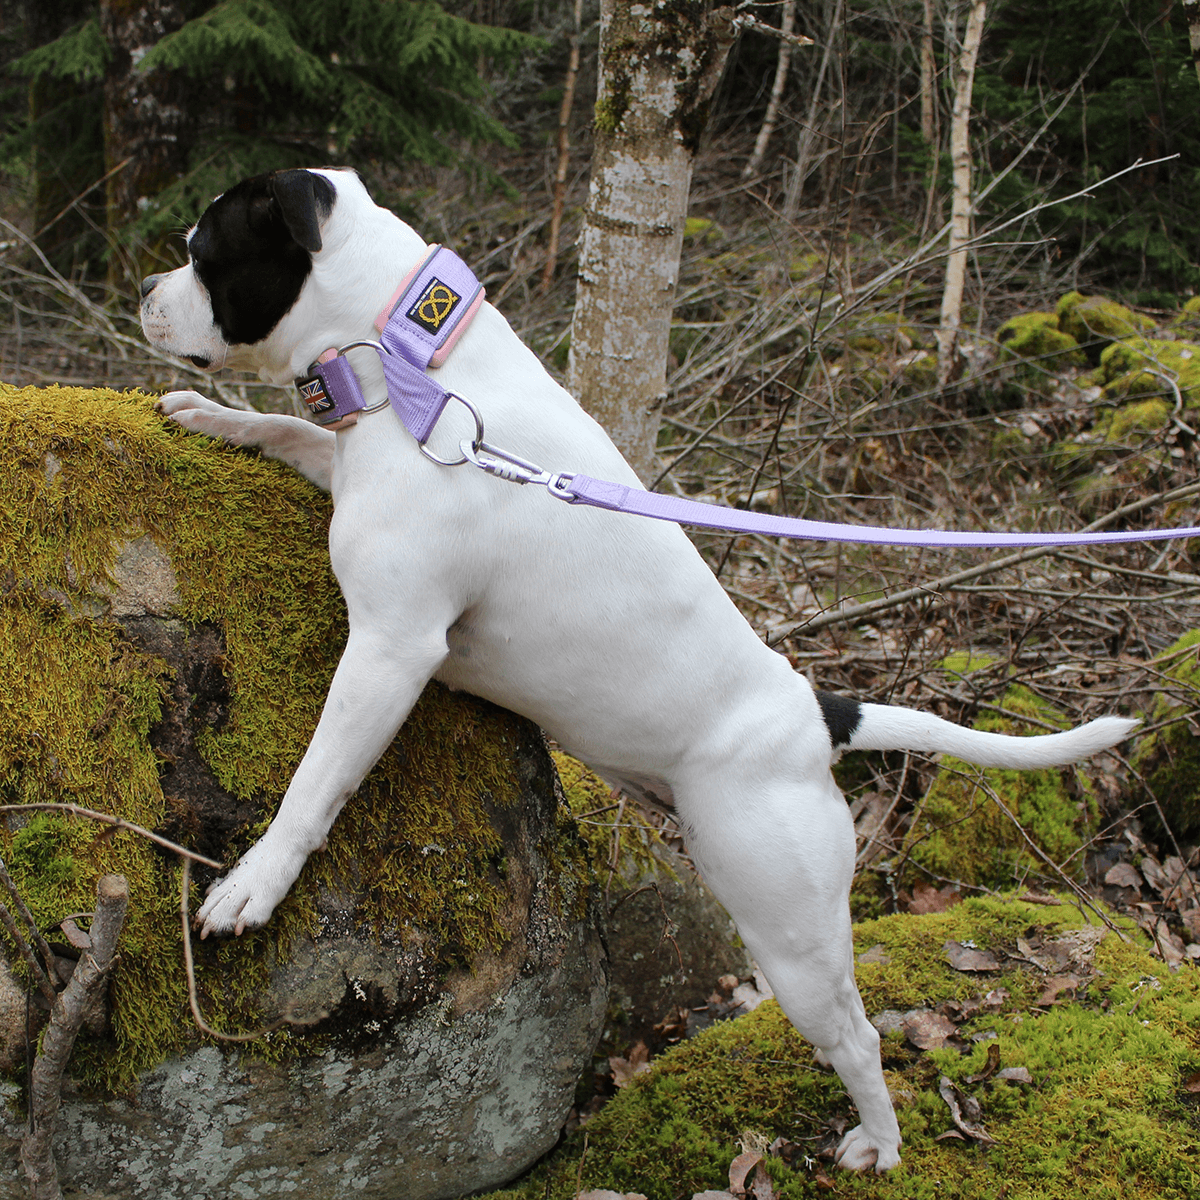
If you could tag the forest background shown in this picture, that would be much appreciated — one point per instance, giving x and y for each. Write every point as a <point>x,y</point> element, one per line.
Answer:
<point>801,359</point>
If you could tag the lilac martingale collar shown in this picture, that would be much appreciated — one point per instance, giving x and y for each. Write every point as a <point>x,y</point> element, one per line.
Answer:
<point>418,327</point>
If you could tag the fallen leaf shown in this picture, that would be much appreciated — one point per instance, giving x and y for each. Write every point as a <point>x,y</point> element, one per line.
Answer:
<point>996,998</point>
<point>1155,876</point>
<point>740,1168</point>
<point>965,1111</point>
<point>1123,874</point>
<point>927,899</point>
<point>822,1180</point>
<point>711,1196</point>
<point>990,1067</point>
<point>967,958</point>
<point>1192,1083</point>
<point>1057,984</point>
<point>1015,1075</point>
<point>951,1133</point>
<point>624,1069</point>
<point>928,1030</point>
<point>605,1194</point>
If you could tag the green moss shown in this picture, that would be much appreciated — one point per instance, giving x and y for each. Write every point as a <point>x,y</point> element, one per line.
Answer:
<point>959,833</point>
<point>601,817</point>
<point>1147,416</point>
<point>1094,321</point>
<point>83,472</point>
<point>1038,336</point>
<point>1188,320</point>
<point>1134,368</point>
<point>1105,1116</point>
<point>1169,758</point>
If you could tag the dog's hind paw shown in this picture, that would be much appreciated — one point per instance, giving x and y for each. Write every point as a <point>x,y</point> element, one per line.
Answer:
<point>858,1151</point>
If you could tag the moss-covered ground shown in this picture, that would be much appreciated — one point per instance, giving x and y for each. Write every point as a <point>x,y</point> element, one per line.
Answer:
<point>83,472</point>
<point>1107,1115</point>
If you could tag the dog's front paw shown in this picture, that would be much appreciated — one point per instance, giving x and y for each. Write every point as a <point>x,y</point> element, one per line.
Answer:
<point>247,896</point>
<point>197,414</point>
<point>858,1151</point>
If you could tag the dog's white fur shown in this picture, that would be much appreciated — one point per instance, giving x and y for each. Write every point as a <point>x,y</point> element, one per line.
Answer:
<point>607,630</point>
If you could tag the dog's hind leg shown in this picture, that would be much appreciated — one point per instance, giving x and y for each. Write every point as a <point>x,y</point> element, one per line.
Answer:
<point>305,447</point>
<point>782,864</point>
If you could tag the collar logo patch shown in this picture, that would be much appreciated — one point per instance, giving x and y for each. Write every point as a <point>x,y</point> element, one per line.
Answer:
<point>433,306</point>
<point>312,392</point>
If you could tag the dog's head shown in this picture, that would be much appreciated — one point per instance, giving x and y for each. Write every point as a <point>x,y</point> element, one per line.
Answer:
<point>280,267</point>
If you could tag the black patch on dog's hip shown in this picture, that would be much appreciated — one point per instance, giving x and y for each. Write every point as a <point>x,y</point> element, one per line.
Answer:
<point>841,714</point>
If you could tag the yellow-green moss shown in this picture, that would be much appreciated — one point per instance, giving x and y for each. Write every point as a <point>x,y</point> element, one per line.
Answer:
<point>1038,336</point>
<point>83,471</point>
<point>1125,370</point>
<point>959,833</point>
<point>591,802</point>
<point>1169,758</point>
<point>1093,320</point>
<point>1188,320</point>
<point>1105,1116</point>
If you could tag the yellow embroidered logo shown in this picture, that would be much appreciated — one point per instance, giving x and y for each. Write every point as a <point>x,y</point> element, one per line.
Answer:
<point>433,306</point>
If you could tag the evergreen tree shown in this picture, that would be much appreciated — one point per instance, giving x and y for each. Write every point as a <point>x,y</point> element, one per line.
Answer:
<point>281,83</point>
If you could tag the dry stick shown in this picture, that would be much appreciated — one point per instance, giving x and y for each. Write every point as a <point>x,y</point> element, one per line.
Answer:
<point>41,943</point>
<point>189,967</point>
<point>784,61</point>
<point>564,150</point>
<point>117,823</point>
<point>39,974</point>
<point>861,611</point>
<point>68,1014</point>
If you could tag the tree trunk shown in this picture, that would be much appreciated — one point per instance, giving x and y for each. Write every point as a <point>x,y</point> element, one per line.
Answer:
<point>564,148</point>
<point>1191,9</point>
<point>928,69</point>
<point>782,65</point>
<point>808,131</point>
<point>147,127</point>
<point>960,212</point>
<point>658,70</point>
<point>65,162</point>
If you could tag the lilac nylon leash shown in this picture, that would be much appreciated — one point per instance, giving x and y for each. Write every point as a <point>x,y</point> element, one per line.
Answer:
<point>420,325</point>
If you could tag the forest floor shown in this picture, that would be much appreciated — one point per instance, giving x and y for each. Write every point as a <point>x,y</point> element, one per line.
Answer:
<point>801,382</point>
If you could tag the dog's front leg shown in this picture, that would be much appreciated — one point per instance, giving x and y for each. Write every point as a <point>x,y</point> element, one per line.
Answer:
<point>303,446</point>
<point>376,684</point>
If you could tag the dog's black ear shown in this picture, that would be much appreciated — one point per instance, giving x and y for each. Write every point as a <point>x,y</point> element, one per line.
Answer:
<point>305,200</point>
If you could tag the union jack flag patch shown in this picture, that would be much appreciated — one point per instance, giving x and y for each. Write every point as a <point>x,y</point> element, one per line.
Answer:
<point>312,392</point>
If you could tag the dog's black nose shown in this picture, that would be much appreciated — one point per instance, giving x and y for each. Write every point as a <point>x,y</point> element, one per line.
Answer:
<point>149,284</point>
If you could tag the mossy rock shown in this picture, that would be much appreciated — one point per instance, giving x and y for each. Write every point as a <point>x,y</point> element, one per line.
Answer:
<point>1135,369</point>
<point>170,625</point>
<point>1036,337</point>
<point>1169,758</point>
<point>1128,424</point>
<point>1187,322</point>
<point>1106,1115</point>
<point>959,833</point>
<point>1094,321</point>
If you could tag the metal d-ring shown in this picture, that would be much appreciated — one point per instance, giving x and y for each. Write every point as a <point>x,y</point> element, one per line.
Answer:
<point>476,441</point>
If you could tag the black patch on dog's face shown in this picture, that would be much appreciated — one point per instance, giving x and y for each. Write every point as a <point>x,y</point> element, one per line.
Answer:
<point>841,715</point>
<point>252,249</point>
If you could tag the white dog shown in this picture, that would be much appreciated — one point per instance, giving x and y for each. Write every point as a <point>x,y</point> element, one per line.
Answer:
<point>607,630</point>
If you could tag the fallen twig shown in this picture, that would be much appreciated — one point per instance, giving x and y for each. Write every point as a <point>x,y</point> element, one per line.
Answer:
<point>70,1010</point>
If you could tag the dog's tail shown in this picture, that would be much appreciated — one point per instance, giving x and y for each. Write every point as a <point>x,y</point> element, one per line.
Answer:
<point>854,726</point>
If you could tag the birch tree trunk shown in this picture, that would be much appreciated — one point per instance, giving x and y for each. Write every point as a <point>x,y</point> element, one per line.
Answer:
<point>658,70</point>
<point>960,212</point>
<point>782,65</point>
<point>564,148</point>
<point>1191,10</point>
<point>808,131</point>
